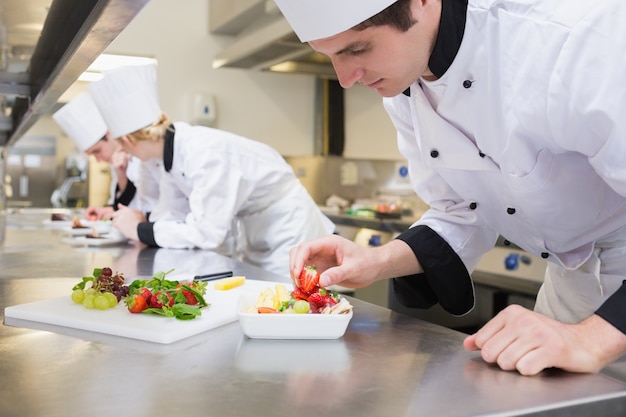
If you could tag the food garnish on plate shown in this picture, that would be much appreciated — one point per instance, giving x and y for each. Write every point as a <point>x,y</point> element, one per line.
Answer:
<point>93,234</point>
<point>77,224</point>
<point>306,298</point>
<point>60,217</point>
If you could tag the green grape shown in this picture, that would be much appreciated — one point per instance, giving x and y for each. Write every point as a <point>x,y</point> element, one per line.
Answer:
<point>101,302</point>
<point>90,291</point>
<point>111,298</point>
<point>88,302</point>
<point>288,311</point>
<point>78,296</point>
<point>301,307</point>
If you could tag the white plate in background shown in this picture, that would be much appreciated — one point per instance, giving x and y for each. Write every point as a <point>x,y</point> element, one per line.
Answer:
<point>102,227</point>
<point>113,237</point>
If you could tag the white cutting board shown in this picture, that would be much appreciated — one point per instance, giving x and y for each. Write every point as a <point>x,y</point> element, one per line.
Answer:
<point>62,311</point>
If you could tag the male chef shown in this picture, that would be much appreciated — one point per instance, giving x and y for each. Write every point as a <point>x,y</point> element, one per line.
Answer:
<point>511,115</point>
<point>82,122</point>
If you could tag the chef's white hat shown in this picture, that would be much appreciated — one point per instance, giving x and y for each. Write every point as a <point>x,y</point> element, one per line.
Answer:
<point>317,19</point>
<point>81,121</point>
<point>128,98</point>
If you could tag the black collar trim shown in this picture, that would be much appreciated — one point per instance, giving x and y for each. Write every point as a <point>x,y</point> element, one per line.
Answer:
<point>449,38</point>
<point>168,148</point>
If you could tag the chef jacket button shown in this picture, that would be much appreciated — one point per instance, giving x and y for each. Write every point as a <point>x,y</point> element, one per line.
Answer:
<point>510,210</point>
<point>467,83</point>
<point>506,242</point>
<point>545,255</point>
<point>473,205</point>
<point>481,154</point>
<point>434,153</point>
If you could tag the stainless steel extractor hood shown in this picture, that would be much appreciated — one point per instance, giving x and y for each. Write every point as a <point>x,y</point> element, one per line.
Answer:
<point>36,70</point>
<point>268,43</point>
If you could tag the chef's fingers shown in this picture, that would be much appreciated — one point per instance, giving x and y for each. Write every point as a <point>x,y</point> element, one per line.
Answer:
<point>319,252</point>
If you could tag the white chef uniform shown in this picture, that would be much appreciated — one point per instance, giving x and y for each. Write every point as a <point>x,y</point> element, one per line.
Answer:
<point>524,135</point>
<point>228,179</point>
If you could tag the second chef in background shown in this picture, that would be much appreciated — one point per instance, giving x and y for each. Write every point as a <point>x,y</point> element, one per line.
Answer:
<point>216,184</point>
<point>133,183</point>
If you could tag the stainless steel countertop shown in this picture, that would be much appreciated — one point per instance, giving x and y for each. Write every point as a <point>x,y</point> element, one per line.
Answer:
<point>387,364</point>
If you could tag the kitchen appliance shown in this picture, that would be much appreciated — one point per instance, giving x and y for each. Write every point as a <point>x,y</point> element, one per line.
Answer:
<point>42,63</point>
<point>31,169</point>
<point>263,40</point>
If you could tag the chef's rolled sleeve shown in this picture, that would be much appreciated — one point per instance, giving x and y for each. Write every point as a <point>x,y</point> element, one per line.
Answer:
<point>613,309</point>
<point>445,279</point>
<point>145,232</point>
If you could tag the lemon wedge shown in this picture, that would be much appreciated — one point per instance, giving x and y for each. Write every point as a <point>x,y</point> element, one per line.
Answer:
<point>230,282</point>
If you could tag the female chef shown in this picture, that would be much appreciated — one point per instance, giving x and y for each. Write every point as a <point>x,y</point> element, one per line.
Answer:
<point>511,115</point>
<point>217,184</point>
<point>82,122</point>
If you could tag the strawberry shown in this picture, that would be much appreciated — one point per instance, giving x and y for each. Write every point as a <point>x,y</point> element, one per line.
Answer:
<point>309,279</point>
<point>160,299</point>
<point>190,298</point>
<point>317,299</point>
<point>135,303</point>
<point>329,300</point>
<point>298,294</point>
<point>145,293</point>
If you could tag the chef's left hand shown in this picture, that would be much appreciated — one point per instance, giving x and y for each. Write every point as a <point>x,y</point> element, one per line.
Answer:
<point>125,220</point>
<point>522,340</point>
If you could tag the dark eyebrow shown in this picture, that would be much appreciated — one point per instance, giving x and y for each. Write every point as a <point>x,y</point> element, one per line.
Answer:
<point>353,46</point>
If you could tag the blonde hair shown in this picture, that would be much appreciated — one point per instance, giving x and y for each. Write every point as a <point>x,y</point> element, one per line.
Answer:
<point>154,132</point>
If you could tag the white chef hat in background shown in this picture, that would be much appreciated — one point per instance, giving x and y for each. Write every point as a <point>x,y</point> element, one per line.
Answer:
<point>81,121</point>
<point>128,98</point>
<point>317,19</point>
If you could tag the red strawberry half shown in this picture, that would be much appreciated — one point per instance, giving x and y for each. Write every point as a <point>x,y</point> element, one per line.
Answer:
<point>160,299</point>
<point>309,279</point>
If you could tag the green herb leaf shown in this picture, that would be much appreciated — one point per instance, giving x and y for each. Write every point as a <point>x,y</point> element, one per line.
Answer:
<point>185,311</point>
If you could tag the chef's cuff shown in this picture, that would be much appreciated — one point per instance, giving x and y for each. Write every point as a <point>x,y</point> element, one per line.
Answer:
<point>445,279</point>
<point>126,196</point>
<point>613,309</point>
<point>145,232</point>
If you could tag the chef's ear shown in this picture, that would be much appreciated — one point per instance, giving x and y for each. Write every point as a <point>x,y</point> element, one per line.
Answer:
<point>126,141</point>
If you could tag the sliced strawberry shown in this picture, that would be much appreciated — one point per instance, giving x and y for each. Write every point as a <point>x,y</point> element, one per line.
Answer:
<point>309,279</point>
<point>317,299</point>
<point>160,299</point>
<point>298,294</point>
<point>190,297</point>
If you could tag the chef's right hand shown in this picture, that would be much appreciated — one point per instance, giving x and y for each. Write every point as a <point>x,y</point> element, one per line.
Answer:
<point>98,213</point>
<point>341,261</point>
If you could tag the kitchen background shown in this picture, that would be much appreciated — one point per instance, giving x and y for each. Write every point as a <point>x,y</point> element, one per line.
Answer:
<point>277,109</point>
<point>340,143</point>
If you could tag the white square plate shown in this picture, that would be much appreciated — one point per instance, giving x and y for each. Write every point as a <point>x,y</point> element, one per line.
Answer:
<point>289,326</point>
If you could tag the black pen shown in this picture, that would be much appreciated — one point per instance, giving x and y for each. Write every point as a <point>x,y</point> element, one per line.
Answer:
<point>211,277</point>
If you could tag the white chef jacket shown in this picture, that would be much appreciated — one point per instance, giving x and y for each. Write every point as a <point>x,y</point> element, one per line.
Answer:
<point>524,135</point>
<point>146,182</point>
<point>142,190</point>
<point>229,180</point>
